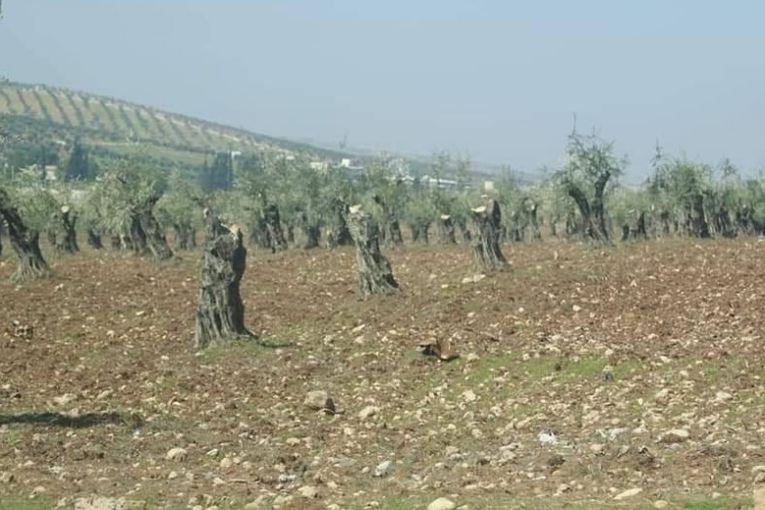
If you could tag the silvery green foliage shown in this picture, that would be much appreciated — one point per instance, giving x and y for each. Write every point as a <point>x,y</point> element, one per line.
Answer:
<point>122,189</point>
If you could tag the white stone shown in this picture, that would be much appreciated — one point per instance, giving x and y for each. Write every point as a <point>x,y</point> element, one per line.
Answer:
<point>383,468</point>
<point>629,493</point>
<point>368,411</point>
<point>442,504</point>
<point>177,454</point>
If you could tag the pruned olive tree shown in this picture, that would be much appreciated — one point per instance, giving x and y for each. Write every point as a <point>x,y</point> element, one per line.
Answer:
<point>631,212</point>
<point>257,178</point>
<point>66,219</point>
<point>384,196</point>
<point>420,212</point>
<point>487,253</point>
<point>590,169</point>
<point>179,208</point>
<point>682,187</point>
<point>125,198</point>
<point>220,310</point>
<point>374,272</point>
<point>24,240</point>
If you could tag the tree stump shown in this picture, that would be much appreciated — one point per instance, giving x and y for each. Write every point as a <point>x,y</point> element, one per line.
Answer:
<point>136,238</point>
<point>274,226</point>
<point>68,241</point>
<point>446,230</point>
<point>311,231</point>
<point>375,275</point>
<point>94,238</point>
<point>155,236</point>
<point>338,233</point>
<point>220,311</point>
<point>486,251</point>
<point>25,242</point>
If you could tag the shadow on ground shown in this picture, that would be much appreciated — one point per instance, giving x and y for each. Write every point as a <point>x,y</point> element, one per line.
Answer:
<point>62,420</point>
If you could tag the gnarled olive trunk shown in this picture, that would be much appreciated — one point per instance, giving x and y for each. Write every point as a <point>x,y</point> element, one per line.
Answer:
<point>185,236</point>
<point>220,311</point>
<point>697,220</point>
<point>394,236</point>
<point>374,271</point>
<point>446,230</point>
<point>25,242</point>
<point>486,251</point>
<point>274,227</point>
<point>420,232</point>
<point>259,234</point>
<point>155,236</point>
<point>724,224</point>
<point>94,238</point>
<point>638,231</point>
<point>136,238</point>
<point>533,212</point>
<point>593,214</point>
<point>67,243</point>
<point>338,233</point>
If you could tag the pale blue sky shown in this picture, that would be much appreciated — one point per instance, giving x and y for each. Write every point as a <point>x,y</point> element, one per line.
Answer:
<point>496,79</point>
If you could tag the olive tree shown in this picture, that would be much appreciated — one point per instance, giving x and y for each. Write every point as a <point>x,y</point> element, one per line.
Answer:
<point>591,166</point>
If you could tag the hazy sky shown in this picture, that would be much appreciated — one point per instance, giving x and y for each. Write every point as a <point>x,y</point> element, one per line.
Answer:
<point>498,80</point>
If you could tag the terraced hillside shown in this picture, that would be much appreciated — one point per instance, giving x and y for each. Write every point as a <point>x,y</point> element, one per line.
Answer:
<point>121,124</point>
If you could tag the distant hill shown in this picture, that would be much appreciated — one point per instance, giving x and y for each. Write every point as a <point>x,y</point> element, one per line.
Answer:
<point>121,127</point>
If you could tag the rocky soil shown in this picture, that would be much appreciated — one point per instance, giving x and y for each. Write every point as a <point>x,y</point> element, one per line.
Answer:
<point>625,377</point>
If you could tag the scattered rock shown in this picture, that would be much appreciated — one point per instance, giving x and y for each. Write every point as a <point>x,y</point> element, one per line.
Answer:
<point>629,493</point>
<point>64,399</point>
<point>319,400</point>
<point>723,396</point>
<point>98,503</point>
<point>257,504</point>
<point>759,498</point>
<point>383,468</point>
<point>282,500</point>
<point>177,454</point>
<point>473,279</point>
<point>368,412</point>
<point>309,492</point>
<point>675,436</point>
<point>38,491</point>
<point>547,437</point>
<point>442,504</point>
<point>660,503</point>
<point>6,477</point>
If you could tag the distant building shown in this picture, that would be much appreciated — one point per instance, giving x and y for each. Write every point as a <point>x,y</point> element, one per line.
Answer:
<point>438,182</point>
<point>51,173</point>
<point>488,186</point>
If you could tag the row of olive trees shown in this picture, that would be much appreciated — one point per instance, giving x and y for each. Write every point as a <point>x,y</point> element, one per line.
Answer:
<point>284,201</point>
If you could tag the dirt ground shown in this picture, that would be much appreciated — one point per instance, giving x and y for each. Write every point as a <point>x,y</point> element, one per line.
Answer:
<point>588,377</point>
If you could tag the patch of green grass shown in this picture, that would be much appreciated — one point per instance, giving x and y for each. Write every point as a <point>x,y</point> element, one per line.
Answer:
<point>488,368</point>
<point>715,504</point>
<point>245,349</point>
<point>25,504</point>
<point>10,437</point>
<point>411,503</point>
